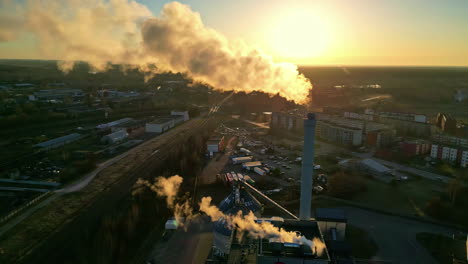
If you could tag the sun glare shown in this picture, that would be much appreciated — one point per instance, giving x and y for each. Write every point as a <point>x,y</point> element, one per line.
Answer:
<point>300,34</point>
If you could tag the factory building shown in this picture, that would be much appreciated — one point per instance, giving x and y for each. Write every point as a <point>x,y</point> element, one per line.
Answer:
<point>57,142</point>
<point>452,154</point>
<point>238,200</point>
<point>332,223</point>
<point>292,122</point>
<point>272,251</point>
<point>163,124</point>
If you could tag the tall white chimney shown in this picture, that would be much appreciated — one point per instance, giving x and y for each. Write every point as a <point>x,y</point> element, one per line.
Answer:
<point>307,167</point>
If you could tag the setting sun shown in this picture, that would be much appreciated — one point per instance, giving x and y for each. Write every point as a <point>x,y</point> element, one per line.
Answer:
<point>300,34</point>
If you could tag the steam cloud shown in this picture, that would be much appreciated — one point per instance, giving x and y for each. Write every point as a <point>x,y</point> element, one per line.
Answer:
<point>125,32</point>
<point>245,223</point>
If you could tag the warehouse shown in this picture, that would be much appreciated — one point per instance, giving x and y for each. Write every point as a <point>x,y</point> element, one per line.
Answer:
<point>57,142</point>
<point>163,124</point>
<point>115,123</point>
<point>215,144</point>
<point>115,137</point>
<point>376,169</point>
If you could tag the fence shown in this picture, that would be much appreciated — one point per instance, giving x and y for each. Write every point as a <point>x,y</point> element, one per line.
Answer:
<point>22,208</point>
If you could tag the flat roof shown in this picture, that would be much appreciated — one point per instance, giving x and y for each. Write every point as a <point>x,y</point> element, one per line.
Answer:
<point>375,165</point>
<point>308,229</point>
<point>58,140</point>
<point>330,214</point>
<point>164,119</point>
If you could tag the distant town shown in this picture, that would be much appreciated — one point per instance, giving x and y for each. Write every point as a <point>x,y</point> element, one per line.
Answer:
<point>389,184</point>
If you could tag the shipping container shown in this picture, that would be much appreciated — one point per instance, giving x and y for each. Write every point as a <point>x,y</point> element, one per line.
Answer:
<point>259,171</point>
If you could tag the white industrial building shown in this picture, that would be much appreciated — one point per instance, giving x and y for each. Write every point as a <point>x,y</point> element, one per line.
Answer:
<point>115,123</point>
<point>163,124</point>
<point>376,169</point>
<point>115,137</point>
<point>215,144</point>
<point>185,114</point>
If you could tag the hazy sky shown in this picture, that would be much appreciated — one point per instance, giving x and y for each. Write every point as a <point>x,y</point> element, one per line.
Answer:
<point>348,32</point>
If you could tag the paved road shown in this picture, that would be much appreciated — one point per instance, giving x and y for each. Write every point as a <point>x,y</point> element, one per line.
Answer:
<point>422,173</point>
<point>262,125</point>
<point>395,236</point>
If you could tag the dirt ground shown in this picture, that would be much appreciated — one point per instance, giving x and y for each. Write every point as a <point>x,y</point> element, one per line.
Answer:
<point>217,163</point>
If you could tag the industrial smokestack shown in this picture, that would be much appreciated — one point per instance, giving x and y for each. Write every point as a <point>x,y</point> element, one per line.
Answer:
<point>307,167</point>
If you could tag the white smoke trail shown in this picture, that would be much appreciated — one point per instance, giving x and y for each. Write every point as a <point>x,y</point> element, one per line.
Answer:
<point>125,32</point>
<point>244,223</point>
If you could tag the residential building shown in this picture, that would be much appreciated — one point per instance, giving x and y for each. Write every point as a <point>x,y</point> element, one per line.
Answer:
<point>353,115</point>
<point>339,133</point>
<point>57,142</point>
<point>380,138</point>
<point>407,127</point>
<point>419,118</point>
<point>450,153</point>
<point>445,139</point>
<point>288,121</point>
<point>415,147</point>
<point>353,132</point>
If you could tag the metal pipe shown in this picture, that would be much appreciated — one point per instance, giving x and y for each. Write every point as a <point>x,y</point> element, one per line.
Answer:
<point>307,167</point>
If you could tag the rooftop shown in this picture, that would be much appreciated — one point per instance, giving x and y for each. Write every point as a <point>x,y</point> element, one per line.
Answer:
<point>330,214</point>
<point>58,140</point>
<point>374,165</point>
<point>308,229</point>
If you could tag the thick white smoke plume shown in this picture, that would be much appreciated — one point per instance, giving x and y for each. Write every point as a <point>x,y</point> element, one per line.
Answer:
<point>244,223</point>
<point>125,32</point>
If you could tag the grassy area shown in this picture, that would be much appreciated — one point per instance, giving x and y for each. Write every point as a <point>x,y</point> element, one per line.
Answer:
<point>439,246</point>
<point>406,197</point>
<point>363,245</point>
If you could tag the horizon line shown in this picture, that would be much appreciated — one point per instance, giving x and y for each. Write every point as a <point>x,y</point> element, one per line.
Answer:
<point>311,65</point>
